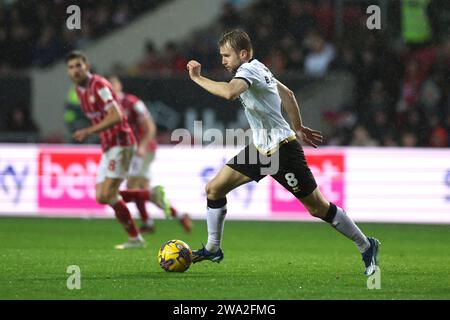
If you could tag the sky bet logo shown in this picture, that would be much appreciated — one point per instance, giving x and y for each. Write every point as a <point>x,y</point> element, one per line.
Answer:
<point>12,180</point>
<point>67,179</point>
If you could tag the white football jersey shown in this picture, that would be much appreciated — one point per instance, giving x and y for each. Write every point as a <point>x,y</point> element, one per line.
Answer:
<point>262,105</point>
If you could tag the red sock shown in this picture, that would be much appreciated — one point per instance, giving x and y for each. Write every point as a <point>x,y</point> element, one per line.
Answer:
<point>135,195</point>
<point>142,210</point>
<point>174,211</point>
<point>124,217</point>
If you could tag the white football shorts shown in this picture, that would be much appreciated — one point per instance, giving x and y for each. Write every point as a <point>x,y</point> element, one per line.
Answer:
<point>115,163</point>
<point>140,166</point>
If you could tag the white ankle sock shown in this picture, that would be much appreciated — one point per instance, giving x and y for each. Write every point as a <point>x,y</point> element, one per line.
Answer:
<point>215,219</point>
<point>137,238</point>
<point>348,228</point>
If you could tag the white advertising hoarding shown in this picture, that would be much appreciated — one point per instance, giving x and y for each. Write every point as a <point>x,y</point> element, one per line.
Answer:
<point>185,172</point>
<point>398,185</point>
<point>372,184</point>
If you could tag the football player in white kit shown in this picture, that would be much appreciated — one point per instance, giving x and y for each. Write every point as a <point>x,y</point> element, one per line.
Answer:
<point>273,139</point>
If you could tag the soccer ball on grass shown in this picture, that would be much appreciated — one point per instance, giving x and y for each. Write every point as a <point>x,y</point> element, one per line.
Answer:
<point>175,256</point>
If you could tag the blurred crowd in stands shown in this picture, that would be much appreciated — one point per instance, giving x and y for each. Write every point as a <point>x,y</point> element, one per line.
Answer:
<point>34,32</point>
<point>401,73</point>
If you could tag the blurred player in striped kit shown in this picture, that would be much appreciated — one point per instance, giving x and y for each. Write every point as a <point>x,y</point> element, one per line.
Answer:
<point>101,106</point>
<point>139,176</point>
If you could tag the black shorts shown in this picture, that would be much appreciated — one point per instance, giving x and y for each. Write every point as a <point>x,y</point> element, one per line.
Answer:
<point>287,166</point>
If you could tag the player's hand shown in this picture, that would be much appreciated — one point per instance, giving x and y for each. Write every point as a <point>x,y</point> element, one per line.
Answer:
<point>81,135</point>
<point>194,69</point>
<point>309,136</point>
<point>141,151</point>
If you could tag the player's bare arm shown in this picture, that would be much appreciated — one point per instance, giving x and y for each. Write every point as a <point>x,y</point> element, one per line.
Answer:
<point>149,128</point>
<point>227,90</point>
<point>113,117</point>
<point>290,105</point>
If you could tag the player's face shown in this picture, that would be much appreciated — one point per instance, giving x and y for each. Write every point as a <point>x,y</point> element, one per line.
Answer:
<point>231,60</point>
<point>78,71</point>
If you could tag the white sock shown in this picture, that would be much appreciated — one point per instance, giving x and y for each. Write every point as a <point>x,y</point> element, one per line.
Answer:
<point>215,218</point>
<point>137,238</point>
<point>342,223</point>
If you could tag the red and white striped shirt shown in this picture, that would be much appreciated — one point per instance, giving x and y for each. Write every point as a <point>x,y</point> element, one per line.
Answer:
<point>136,112</point>
<point>95,100</point>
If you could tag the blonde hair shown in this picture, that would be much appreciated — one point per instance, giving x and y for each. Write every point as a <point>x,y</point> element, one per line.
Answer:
<point>238,40</point>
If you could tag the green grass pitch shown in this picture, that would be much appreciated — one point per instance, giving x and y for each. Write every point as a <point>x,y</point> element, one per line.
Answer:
<point>263,260</point>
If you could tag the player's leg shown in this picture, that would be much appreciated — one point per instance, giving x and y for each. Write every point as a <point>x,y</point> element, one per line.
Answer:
<point>159,200</point>
<point>239,170</point>
<point>113,169</point>
<point>140,169</point>
<point>136,182</point>
<point>148,224</point>
<point>156,195</point>
<point>319,207</point>
<point>216,190</point>
<point>296,177</point>
<point>107,193</point>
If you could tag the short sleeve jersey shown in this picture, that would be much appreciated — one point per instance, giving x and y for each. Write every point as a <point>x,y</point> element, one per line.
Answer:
<point>95,99</point>
<point>136,112</point>
<point>262,105</point>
